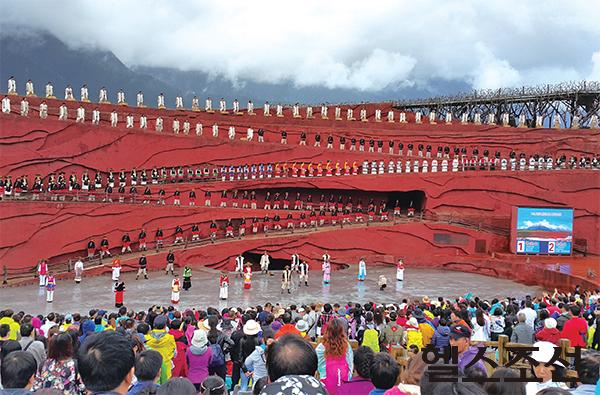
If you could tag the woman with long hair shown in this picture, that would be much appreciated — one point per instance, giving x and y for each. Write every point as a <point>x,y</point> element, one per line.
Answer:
<point>481,326</point>
<point>335,356</point>
<point>217,337</point>
<point>60,370</point>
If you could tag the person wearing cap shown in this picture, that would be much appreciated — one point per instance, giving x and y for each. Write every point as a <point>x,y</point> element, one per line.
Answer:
<point>460,337</point>
<point>159,340</point>
<point>543,355</point>
<point>247,346</point>
<point>199,356</point>
<point>549,333</point>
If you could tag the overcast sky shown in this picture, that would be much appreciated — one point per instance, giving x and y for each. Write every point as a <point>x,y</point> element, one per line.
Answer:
<point>364,45</point>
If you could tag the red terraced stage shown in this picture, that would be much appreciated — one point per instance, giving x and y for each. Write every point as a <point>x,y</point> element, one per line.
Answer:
<point>58,231</point>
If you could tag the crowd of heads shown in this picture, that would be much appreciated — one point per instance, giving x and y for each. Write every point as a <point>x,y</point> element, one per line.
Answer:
<point>164,350</point>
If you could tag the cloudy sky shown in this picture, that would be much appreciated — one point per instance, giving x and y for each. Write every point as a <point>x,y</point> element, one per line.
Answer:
<point>359,45</point>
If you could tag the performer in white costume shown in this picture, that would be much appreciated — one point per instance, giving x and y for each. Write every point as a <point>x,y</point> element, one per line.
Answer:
<point>175,290</point>
<point>400,270</point>
<point>362,269</point>
<point>43,110</point>
<point>286,279</point>
<point>49,91</point>
<point>264,263</point>
<point>239,265</point>
<point>303,272</point>
<point>24,107</point>
<point>78,267</point>
<point>29,91</point>
<point>84,93</point>
<point>139,99</point>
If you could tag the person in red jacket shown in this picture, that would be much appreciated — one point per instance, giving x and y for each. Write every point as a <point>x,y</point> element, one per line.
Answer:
<point>549,333</point>
<point>180,366</point>
<point>575,329</point>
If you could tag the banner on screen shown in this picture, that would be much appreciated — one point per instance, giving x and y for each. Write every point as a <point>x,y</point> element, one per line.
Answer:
<point>544,230</point>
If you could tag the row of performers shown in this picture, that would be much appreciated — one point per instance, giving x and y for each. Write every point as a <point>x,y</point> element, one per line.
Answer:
<point>58,183</point>
<point>243,269</point>
<point>265,224</point>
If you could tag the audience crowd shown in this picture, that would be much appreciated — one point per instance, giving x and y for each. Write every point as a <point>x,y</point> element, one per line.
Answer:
<point>347,348</point>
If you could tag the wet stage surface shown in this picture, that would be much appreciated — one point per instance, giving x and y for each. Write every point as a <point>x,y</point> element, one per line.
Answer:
<point>96,292</point>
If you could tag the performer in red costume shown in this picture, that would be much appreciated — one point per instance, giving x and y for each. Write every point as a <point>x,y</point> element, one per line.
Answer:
<point>224,286</point>
<point>119,294</point>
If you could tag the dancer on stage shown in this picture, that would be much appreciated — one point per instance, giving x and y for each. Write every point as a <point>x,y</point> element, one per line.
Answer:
<point>50,286</point>
<point>295,261</point>
<point>400,270</point>
<point>248,276</point>
<point>116,270</point>
<point>91,249</point>
<point>142,269</point>
<point>224,285</point>
<point>362,269</point>
<point>286,279</point>
<point>119,293</point>
<point>170,263</point>
<point>382,282</point>
<point>264,263</point>
<point>43,272</point>
<point>78,267</point>
<point>187,278</point>
<point>326,269</point>
<point>239,265</point>
<point>175,289</point>
<point>303,271</point>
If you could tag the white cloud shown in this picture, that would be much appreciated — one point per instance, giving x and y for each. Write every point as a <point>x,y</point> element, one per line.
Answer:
<point>351,44</point>
<point>493,73</point>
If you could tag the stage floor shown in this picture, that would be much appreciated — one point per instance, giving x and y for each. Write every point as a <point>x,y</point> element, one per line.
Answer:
<point>95,292</point>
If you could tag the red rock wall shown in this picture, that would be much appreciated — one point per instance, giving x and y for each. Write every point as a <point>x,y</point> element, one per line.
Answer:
<point>30,231</point>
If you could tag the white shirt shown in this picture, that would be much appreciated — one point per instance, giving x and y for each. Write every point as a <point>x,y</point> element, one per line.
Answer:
<point>239,264</point>
<point>530,315</point>
<point>78,265</point>
<point>84,93</point>
<point>6,105</point>
<point>264,260</point>
<point>250,133</point>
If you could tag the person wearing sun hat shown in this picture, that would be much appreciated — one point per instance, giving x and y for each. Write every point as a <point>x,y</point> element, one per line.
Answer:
<point>460,337</point>
<point>414,337</point>
<point>302,327</point>
<point>543,355</point>
<point>247,346</point>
